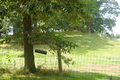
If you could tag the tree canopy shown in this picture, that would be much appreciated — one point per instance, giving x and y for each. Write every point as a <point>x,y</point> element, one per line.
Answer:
<point>105,16</point>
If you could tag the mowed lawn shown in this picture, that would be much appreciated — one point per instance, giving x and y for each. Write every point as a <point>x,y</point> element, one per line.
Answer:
<point>12,61</point>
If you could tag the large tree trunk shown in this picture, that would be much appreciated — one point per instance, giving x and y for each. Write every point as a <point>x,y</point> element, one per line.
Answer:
<point>28,47</point>
<point>59,61</point>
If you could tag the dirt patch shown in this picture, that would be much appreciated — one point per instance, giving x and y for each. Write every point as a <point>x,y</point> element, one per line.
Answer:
<point>99,68</point>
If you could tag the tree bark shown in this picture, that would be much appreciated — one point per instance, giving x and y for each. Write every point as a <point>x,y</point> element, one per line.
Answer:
<point>78,28</point>
<point>88,24</point>
<point>0,31</point>
<point>59,61</point>
<point>0,34</point>
<point>28,47</point>
<point>89,30</point>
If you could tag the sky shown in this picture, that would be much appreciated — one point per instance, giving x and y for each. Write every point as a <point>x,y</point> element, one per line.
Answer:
<point>116,30</point>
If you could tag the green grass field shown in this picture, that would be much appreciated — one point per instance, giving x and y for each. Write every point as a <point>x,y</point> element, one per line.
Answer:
<point>92,59</point>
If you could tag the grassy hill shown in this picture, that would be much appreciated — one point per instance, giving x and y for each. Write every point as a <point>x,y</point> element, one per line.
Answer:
<point>93,44</point>
<point>88,45</point>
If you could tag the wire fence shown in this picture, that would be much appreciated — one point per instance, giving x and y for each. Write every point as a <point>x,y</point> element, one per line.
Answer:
<point>83,64</point>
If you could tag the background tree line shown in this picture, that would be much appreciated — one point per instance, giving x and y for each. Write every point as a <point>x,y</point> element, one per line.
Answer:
<point>117,36</point>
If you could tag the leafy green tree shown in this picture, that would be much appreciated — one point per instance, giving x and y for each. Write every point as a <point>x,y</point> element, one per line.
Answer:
<point>91,9</point>
<point>60,46</point>
<point>5,28</point>
<point>101,15</point>
<point>1,17</point>
<point>57,23</point>
<point>117,36</point>
<point>16,22</point>
<point>105,16</point>
<point>40,10</point>
<point>112,35</point>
